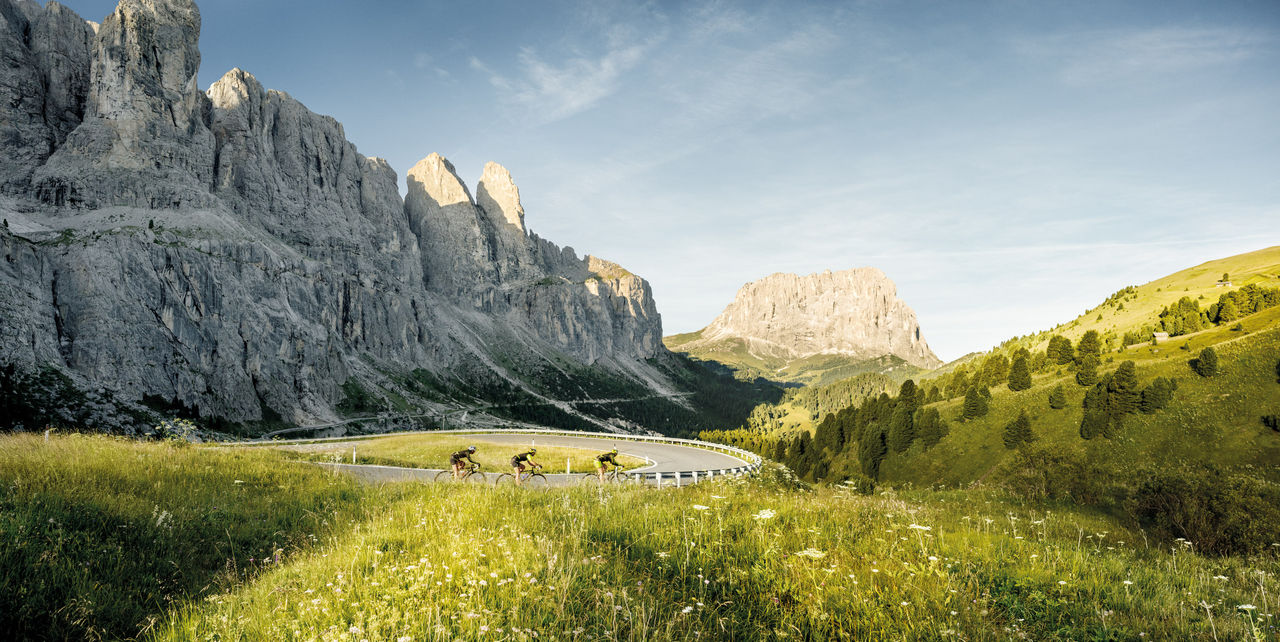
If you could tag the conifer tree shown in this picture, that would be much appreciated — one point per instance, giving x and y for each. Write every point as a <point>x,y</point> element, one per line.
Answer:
<point>909,395</point>
<point>902,429</point>
<point>1206,365</point>
<point>1019,374</point>
<point>1278,372</point>
<point>871,452</point>
<point>935,394</point>
<point>1087,373</point>
<point>1123,390</point>
<point>975,405</point>
<point>1060,350</point>
<point>1058,398</point>
<point>1090,345</point>
<point>1156,396</point>
<point>1018,431</point>
<point>1095,412</point>
<point>797,455</point>
<point>1228,311</point>
<point>931,428</point>
<point>780,451</point>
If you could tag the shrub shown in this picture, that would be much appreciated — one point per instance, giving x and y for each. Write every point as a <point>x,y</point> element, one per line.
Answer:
<point>1219,513</point>
<point>1048,472</point>
<point>1157,395</point>
<point>1206,365</point>
<point>1272,422</point>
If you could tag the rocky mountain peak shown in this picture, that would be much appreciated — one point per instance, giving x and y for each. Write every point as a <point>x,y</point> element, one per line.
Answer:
<point>498,195</point>
<point>439,181</point>
<point>855,312</point>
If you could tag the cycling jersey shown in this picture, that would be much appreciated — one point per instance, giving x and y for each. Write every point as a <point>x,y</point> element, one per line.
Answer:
<point>459,456</point>
<point>607,458</point>
<point>521,458</point>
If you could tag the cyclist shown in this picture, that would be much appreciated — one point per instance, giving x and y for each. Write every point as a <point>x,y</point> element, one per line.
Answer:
<point>606,458</point>
<point>518,462</point>
<point>456,460</point>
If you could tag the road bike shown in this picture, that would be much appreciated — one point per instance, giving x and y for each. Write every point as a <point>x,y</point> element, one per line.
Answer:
<point>531,477</point>
<point>612,476</point>
<point>469,473</point>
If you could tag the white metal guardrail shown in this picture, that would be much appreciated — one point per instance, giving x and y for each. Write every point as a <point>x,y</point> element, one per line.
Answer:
<point>752,460</point>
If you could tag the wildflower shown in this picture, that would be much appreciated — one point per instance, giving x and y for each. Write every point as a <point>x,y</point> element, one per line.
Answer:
<point>1062,582</point>
<point>664,554</point>
<point>404,638</point>
<point>920,528</point>
<point>767,513</point>
<point>700,507</point>
<point>811,553</point>
<point>484,628</point>
<point>1222,578</point>
<point>687,609</point>
<point>1128,583</point>
<point>1246,607</point>
<point>933,558</point>
<point>716,497</point>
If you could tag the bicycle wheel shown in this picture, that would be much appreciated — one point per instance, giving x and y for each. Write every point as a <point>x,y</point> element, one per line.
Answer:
<point>443,476</point>
<point>589,478</point>
<point>536,480</point>
<point>476,477</point>
<point>504,478</point>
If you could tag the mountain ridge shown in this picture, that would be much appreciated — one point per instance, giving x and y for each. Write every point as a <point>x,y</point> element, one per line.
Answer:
<point>230,251</point>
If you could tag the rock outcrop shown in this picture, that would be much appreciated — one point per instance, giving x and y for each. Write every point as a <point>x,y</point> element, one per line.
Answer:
<point>231,251</point>
<point>855,313</point>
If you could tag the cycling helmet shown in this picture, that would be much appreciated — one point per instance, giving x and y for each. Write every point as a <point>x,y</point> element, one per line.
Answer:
<point>614,451</point>
<point>533,451</point>
<point>471,449</point>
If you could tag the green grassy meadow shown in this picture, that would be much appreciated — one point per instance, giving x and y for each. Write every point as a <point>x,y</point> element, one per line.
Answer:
<point>432,451</point>
<point>156,541</point>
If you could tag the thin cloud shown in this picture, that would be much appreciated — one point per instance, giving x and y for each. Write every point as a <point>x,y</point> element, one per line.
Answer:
<point>1106,56</point>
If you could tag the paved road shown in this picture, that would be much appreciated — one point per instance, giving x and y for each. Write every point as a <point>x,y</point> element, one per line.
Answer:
<point>665,458</point>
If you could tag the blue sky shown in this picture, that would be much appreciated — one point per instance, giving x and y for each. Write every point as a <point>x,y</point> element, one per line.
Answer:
<point>1009,164</point>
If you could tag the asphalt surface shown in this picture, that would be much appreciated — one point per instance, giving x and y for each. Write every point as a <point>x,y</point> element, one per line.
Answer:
<point>664,458</point>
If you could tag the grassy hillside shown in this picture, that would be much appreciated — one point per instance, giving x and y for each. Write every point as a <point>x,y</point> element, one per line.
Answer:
<point>1213,420</point>
<point>1142,304</point>
<point>760,558</point>
<point>736,356</point>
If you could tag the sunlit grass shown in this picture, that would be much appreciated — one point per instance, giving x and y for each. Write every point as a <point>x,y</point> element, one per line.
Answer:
<point>432,451</point>
<point>104,538</point>
<point>736,559</point>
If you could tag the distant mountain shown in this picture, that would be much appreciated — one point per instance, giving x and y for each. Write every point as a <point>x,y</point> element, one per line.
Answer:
<point>814,329</point>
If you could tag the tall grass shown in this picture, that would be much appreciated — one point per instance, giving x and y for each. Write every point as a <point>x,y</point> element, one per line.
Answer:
<point>102,538</point>
<point>736,559</point>
<point>99,536</point>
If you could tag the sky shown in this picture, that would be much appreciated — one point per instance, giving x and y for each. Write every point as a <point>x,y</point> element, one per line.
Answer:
<point>1008,164</point>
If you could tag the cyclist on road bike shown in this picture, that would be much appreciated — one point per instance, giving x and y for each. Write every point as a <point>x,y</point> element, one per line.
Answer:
<point>606,458</point>
<point>518,462</point>
<point>456,460</point>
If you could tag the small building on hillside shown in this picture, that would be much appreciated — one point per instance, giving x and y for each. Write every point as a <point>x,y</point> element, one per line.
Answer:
<point>1159,337</point>
<point>1222,284</point>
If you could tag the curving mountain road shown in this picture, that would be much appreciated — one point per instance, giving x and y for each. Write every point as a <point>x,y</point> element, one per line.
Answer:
<point>664,458</point>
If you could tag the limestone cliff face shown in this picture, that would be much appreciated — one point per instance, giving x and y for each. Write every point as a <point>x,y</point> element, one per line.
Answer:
<point>231,250</point>
<point>854,312</point>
